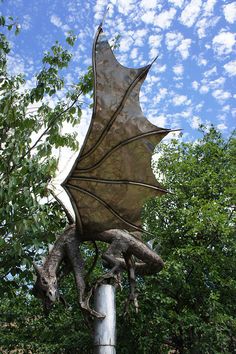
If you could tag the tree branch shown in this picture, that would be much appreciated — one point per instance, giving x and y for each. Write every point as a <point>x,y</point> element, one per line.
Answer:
<point>45,132</point>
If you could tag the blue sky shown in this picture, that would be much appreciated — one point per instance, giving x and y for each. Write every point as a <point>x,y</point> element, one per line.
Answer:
<point>193,79</point>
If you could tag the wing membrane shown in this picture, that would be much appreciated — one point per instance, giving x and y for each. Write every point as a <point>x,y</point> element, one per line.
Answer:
<point>112,176</point>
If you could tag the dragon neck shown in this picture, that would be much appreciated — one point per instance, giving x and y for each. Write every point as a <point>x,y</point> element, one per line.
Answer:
<point>54,258</point>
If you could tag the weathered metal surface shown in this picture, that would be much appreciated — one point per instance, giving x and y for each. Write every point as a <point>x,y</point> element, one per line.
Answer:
<point>112,176</point>
<point>105,330</point>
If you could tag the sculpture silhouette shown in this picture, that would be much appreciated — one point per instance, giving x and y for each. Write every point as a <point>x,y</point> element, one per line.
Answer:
<point>109,182</point>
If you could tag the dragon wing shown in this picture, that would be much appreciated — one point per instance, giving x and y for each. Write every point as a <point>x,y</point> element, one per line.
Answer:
<point>112,176</point>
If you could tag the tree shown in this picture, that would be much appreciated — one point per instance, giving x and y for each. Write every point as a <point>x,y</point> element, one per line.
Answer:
<point>30,129</point>
<point>28,137</point>
<point>189,307</point>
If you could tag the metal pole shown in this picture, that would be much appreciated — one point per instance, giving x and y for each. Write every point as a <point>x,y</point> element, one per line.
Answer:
<point>105,329</point>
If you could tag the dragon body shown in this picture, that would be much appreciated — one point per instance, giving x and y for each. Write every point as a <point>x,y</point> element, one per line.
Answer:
<point>110,181</point>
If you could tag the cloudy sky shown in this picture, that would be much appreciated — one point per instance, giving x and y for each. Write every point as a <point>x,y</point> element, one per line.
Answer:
<point>193,79</point>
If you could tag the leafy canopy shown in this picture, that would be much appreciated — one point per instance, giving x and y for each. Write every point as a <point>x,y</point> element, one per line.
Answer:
<point>30,130</point>
<point>192,298</point>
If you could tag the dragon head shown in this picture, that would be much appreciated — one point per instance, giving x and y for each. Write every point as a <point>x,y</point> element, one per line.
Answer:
<point>45,288</point>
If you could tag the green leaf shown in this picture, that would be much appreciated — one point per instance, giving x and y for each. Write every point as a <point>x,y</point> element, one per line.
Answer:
<point>2,21</point>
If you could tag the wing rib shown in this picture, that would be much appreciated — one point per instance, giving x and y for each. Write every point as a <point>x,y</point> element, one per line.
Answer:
<point>121,144</point>
<point>110,181</point>
<point>107,206</point>
<point>116,113</point>
<point>99,30</point>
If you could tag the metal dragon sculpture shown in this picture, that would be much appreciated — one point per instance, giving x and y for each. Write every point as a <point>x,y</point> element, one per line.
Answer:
<point>108,184</point>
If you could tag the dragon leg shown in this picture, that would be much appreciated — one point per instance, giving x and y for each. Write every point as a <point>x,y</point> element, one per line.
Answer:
<point>112,259</point>
<point>130,264</point>
<point>112,256</point>
<point>76,260</point>
<point>150,263</point>
<point>123,242</point>
<point>118,259</point>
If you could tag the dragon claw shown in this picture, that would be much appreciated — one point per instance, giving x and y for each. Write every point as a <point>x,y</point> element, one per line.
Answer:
<point>133,298</point>
<point>92,312</point>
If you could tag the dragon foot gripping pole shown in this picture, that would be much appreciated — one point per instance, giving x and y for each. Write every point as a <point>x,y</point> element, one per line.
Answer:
<point>105,329</point>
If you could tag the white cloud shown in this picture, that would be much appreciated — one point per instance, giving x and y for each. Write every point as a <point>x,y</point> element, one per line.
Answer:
<point>190,13</point>
<point>178,100</point>
<point>124,6</point>
<point>15,64</point>
<point>160,68</point>
<point>99,9</point>
<point>230,67</point>
<point>120,26</point>
<point>139,37</point>
<point>26,22</point>
<point>122,58</point>
<point>199,107</point>
<point>56,21</point>
<point>161,120</point>
<point>195,85</point>
<point>222,126</point>
<point>214,84</point>
<point>223,43</point>
<point>230,12</point>
<point>210,72</point>
<point>226,108</point>
<point>134,53</point>
<point>177,3</point>
<point>165,18</point>
<point>148,17</point>
<point>148,4</point>
<point>178,85</point>
<point>162,94</point>
<point>207,19</point>
<point>195,122</point>
<point>153,53</point>
<point>183,48</point>
<point>173,39</point>
<point>204,23</point>
<point>155,40</point>
<point>201,61</point>
<point>188,113</point>
<point>178,69</point>
<point>208,6</point>
<point>125,44</point>
<point>204,89</point>
<point>221,95</point>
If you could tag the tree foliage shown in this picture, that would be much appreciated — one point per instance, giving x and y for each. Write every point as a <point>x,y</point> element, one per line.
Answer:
<point>30,129</point>
<point>192,299</point>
